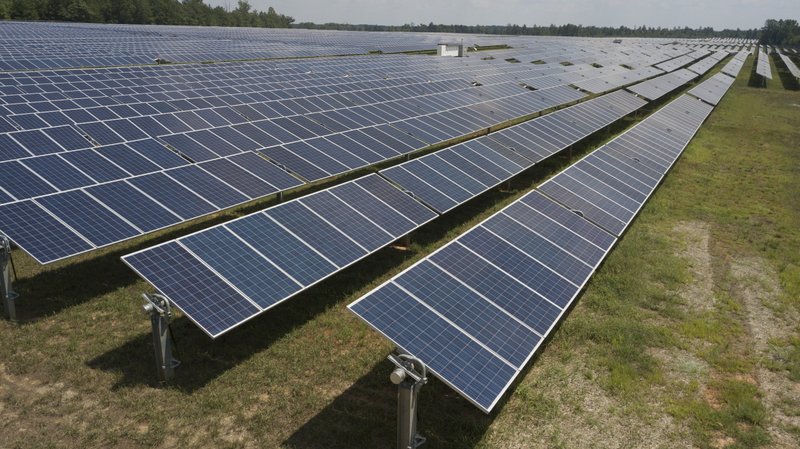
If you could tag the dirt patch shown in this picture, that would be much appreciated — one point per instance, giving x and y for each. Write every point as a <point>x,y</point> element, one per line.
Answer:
<point>757,285</point>
<point>582,414</point>
<point>694,238</point>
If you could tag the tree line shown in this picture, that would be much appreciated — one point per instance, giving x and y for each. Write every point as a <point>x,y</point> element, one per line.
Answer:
<point>781,32</point>
<point>546,30</point>
<point>161,12</point>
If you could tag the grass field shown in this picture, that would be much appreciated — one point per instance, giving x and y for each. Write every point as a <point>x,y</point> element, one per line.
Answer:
<point>688,335</point>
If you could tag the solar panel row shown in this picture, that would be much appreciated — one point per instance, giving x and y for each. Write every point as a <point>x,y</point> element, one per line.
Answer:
<point>642,155</point>
<point>61,163</point>
<point>659,86</point>
<point>713,89</point>
<point>705,64</point>
<point>476,310</point>
<point>442,180</point>
<point>461,172</point>
<point>762,65</point>
<point>733,66</point>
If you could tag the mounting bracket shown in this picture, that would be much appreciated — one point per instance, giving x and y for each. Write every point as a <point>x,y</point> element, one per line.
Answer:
<point>409,375</point>
<point>6,287</point>
<point>160,311</point>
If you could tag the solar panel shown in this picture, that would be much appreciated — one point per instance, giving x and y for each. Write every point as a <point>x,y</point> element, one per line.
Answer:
<point>609,206</point>
<point>713,89</point>
<point>476,310</point>
<point>481,303</point>
<point>290,246</point>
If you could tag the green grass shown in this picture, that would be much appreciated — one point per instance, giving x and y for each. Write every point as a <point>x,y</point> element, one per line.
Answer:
<point>631,364</point>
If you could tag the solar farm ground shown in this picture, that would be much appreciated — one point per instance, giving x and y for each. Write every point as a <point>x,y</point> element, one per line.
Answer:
<point>687,335</point>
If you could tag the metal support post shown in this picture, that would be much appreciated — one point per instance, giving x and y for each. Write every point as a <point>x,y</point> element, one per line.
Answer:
<point>6,287</point>
<point>160,312</point>
<point>409,375</point>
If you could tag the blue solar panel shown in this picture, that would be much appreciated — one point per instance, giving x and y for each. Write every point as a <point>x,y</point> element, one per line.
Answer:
<point>68,138</point>
<point>453,174</point>
<point>581,205</point>
<point>235,138</point>
<point>134,206</point>
<point>126,129</point>
<point>354,147</point>
<point>98,167</point>
<point>317,233</point>
<point>265,170</point>
<point>347,220</point>
<point>21,182</point>
<point>158,153</point>
<point>314,156</point>
<point>37,142</point>
<point>129,160</point>
<point>556,233</point>
<point>207,186</point>
<point>295,164</point>
<point>257,135</point>
<point>181,276</point>
<point>99,225</point>
<point>423,190</point>
<point>487,323</point>
<point>503,290</point>
<point>58,172</point>
<point>189,148</point>
<point>214,143</point>
<point>521,266</point>
<point>101,133</point>
<point>481,173</point>
<point>10,149</point>
<point>296,258</point>
<point>460,361</point>
<point>399,201</point>
<point>239,178</point>
<point>374,209</point>
<point>172,195</point>
<point>248,270</point>
<point>337,153</point>
<point>49,240</point>
<point>172,123</point>
<point>532,244</point>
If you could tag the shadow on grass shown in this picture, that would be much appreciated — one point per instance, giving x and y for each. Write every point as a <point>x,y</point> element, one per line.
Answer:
<point>366,413</point>
<point>204,359</point>
<point>787,79</point>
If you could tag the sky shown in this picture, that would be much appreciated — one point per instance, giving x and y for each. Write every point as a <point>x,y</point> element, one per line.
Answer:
<point>666,13</point>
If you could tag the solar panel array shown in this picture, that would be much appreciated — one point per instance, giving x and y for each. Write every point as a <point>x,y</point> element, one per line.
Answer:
<point>615,81</point>
<point>734,66</point>
<point>713,89</point>
<point>659,86</point>
<point>705,64</point>
<point>47,45</point>
<point>790,65</point>
<point>681,61</point>
<point>185,141</point>
<point>476,310</point>
<point>762,65</point>
<point>314,247</point>
<point>197,144</point>
<point>443,181</point>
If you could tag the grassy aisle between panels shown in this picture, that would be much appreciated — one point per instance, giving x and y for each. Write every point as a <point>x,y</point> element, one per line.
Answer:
<point>687,336</point>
